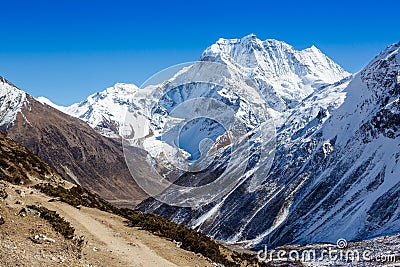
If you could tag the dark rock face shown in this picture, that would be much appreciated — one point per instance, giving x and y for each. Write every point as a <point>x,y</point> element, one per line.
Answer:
<point>335,175</point>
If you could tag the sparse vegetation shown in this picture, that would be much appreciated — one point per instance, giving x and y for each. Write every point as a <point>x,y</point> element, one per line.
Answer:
<point>191,240</point>
<point>17,164</point>
<point>56,221</point>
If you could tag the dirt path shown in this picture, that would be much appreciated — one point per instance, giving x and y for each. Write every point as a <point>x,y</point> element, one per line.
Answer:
<point>110,240</point>
<point>134,255</point>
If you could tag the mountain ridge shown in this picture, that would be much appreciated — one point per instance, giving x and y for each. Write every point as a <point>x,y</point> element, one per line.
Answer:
<point>70,146</point>
<point>336,150</point>
<point>336,163</point>
<point>283,87</point>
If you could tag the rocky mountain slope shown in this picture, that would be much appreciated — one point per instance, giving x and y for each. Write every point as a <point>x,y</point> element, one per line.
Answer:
<point>18,165</point>
<point>336,156</point>
<point>47,221</point>
<point>335,173</point>
<point>70,146</point>
<point>274,71</point>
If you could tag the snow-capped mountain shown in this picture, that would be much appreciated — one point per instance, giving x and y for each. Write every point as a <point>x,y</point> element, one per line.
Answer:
<point>336,168</point>
<point>335,174</point>
<point>69,145</point>
<point>103,111</point>
<point>284,75</point>
<point>11,102</point>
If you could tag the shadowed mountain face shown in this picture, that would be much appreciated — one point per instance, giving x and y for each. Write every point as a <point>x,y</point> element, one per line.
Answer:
<point>71,147</point>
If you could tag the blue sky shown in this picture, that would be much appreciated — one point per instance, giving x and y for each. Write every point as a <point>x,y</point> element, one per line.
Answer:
<point>66,50</point>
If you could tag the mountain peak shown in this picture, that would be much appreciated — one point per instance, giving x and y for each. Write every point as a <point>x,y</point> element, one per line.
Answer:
<point>250,38</point>
<point>278,43</point>
<point>105,110</point>
<point>313,49</point>
<point>11,101</point>
<point>5,81</point>
<point>285,74</point>
<point>336,155</point>
<point>121,88</point>
<point>271,56</point>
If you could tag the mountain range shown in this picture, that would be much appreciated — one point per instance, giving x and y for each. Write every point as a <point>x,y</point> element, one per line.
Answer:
<point>334,175</point>
<point>283,75</point>
<point>69,145</point>
<point>335,171</point>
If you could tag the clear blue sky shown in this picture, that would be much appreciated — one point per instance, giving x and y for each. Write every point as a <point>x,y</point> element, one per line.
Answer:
<point>66,50</point>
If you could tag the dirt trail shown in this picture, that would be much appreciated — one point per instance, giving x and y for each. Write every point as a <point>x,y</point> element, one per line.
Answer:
<point>112,241</point>
<point>137,255</point>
